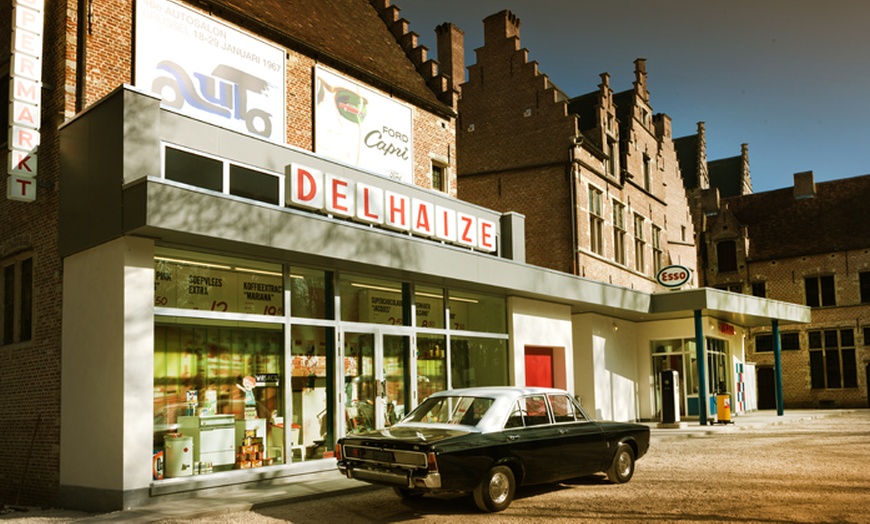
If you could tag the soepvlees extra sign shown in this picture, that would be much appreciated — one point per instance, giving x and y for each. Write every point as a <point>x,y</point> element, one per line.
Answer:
<point>674,276</point>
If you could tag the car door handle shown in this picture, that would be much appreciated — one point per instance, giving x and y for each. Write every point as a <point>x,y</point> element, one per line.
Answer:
<point>563,431</point>
<point>513,437</point>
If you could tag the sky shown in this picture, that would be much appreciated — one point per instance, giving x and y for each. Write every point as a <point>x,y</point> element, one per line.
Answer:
<point>790,78</point>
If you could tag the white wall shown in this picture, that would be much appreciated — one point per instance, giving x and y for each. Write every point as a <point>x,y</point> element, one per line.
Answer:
<point>606,367</point>
<point>542,324</point>
<point>107,372</point>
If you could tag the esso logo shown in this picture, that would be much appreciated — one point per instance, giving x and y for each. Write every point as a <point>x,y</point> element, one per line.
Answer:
<point>674,276</point>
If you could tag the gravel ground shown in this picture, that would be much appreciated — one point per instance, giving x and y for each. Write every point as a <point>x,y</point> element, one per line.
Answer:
<point>813,471</point>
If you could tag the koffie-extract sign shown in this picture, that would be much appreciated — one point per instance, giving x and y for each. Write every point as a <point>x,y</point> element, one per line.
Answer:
<point>210,70</point>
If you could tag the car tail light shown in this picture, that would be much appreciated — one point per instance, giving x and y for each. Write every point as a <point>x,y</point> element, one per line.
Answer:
<point>338,452</point>
<point>431,465</point>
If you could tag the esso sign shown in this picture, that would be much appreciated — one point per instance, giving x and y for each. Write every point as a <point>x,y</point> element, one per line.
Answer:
<point>674,276</point>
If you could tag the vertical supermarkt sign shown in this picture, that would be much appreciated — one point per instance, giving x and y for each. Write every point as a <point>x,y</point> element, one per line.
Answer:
<point>210,70</point>
<point>25,90</point>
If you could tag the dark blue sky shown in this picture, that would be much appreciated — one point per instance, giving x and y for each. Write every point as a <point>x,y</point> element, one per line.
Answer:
<point>791,78</point>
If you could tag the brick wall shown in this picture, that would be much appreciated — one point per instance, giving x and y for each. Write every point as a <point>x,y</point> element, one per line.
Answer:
<point>30,372</point>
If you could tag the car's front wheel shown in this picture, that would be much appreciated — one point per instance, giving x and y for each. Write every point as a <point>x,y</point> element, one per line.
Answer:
<point>497,490</point>
<point>622,468</point>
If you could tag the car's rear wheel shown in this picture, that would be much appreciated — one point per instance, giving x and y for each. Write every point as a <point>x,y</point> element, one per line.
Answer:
<point>497,490</point>
<point>407,493</point>
<point>622,468</point>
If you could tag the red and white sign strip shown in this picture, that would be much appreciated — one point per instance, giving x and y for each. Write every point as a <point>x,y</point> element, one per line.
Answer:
<point>318,191</point>
<point>25,90</point>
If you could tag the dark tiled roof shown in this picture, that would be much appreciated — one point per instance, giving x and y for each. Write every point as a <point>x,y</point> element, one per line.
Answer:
<point>726,175</point>
<point>687,156</point>
<point>780,226</point>
<point>348,35</point>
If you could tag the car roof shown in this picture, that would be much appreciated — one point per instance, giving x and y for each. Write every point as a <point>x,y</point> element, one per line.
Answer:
<point>500,391</point>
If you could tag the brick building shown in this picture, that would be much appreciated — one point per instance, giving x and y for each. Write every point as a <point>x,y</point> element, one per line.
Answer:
<point>595,175</point>
<point>230,222</point>
<point>806,244</point>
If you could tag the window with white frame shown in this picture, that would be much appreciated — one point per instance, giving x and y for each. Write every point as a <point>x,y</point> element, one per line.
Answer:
<point>619,232</point>
<point>596,221</point>
<point>639,244</point>
<point>658,253</point>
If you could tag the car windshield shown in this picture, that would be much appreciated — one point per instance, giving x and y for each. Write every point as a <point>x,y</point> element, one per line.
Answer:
<point>451,410</point>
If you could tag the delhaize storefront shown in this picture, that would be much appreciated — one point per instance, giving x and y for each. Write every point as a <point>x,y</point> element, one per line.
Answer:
<point>232,305</point>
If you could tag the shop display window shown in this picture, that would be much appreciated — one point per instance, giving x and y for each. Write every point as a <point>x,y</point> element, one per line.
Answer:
<point>476,362</point>
<point>310,422</point>
<point>475,312</point>
<point>429,302</point>
<point>371,300</point>
<point>431,365</point>
<point>311,293</point>
<point>222,388</point>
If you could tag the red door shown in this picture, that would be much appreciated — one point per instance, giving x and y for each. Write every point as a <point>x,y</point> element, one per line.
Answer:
<point>539,367</point>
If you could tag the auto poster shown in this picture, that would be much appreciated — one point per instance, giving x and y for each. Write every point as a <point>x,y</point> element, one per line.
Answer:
<point>210,70</point>
<point>360,127</point>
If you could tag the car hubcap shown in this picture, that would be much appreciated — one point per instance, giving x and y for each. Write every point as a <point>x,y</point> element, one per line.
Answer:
<point>624,464</point>
<point>498,488</point>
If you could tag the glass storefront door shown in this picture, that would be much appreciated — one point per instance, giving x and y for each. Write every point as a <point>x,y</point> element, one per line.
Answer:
<point>375,379</point>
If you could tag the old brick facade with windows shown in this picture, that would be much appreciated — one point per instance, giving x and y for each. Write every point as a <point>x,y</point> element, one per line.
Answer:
<point>595,175</point>
<point>808,244</point>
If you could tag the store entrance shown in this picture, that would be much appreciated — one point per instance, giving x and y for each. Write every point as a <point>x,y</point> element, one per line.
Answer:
<point>376,377</point>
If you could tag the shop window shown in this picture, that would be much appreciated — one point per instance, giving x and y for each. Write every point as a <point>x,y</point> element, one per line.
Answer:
<point>429,303</point>
<point>820,291</point>
<point>478,362</point>
<point>371,300</point>
<point>255,185</point>
<point>187,281</point>
<point>832,359</point>
<point>431,365</point>
<point>196,170</point>
<point>474,312</point>
<point>311,420</point>
<point>17,305</point>
<point>311,294</point>
<point>222,388</point>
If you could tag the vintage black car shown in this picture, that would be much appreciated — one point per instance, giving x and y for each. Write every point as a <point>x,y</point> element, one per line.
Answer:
<point>490,440</point>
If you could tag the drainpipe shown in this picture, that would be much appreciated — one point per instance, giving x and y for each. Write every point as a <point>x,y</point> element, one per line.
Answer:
<point>701,362</point>
<point>777,364</point>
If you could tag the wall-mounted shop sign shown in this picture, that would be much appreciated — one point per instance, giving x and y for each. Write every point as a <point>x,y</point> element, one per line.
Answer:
<point>191,285</point>
<point>25,95</point>
<point>315,190</point>
<point>210,70</point>
<point>674,276</point>
<point>360,127</point>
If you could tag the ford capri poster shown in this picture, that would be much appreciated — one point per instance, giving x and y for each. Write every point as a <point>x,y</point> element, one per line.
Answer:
<point>360,127</point>
<point>210,70</point>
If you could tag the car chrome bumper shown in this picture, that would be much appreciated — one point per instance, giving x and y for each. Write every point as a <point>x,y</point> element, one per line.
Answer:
<point>393,477</point>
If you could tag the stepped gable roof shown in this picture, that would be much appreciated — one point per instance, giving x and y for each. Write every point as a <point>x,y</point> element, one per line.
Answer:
<point>780,226</point>
<point>726,174</point>
<point>687,156</point>
<point>347,35</point>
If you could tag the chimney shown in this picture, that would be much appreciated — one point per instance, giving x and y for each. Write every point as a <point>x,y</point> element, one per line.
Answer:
<point>500,26</point>
<point>451,53</point>
<point>804,185</point>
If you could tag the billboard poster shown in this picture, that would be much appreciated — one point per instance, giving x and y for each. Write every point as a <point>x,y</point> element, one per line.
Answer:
<point>360,127</point>
<point>210,70</point>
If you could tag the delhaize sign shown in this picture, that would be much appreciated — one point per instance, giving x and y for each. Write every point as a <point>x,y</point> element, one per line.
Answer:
<point>210,70</point>
<point>25,94</point>
<point>360,127</point>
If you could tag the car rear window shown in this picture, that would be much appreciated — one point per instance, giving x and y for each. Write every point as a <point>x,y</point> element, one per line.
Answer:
<point>451,410</point>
